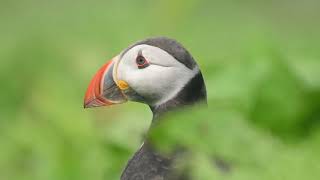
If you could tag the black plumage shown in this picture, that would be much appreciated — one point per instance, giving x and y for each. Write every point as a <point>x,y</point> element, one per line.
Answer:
<point>180,84</point>
<point>148,163</point>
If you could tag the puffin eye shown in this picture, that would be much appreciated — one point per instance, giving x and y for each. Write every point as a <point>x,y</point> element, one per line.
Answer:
<point>141,62</point>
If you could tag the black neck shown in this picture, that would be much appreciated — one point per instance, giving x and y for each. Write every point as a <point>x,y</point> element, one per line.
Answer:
<point>192,93</point>
<point>148,163</point>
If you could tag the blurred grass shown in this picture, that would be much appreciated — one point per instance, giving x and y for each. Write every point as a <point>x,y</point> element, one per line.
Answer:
<point>260,60</point>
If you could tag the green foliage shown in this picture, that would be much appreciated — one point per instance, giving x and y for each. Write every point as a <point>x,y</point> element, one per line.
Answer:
<point>260,60</point>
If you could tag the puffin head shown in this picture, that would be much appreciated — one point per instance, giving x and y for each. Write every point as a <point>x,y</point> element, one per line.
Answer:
<point>152,71</point>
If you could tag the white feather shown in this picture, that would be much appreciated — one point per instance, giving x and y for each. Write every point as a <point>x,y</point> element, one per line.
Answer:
<point>161,80</point>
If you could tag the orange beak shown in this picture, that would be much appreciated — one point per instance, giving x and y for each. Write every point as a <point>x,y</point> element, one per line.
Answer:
<point>103,90</point>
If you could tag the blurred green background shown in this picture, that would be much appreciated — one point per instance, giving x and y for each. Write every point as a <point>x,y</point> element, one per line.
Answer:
<point>260,60</point>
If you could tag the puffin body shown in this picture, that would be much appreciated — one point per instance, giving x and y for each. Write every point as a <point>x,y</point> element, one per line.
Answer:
<point>161,73</point>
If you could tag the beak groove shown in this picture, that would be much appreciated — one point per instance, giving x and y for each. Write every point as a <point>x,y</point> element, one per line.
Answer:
<point>102,90</point>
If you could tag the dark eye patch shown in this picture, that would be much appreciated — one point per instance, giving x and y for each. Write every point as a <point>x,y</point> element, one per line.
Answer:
<point>141,61</point>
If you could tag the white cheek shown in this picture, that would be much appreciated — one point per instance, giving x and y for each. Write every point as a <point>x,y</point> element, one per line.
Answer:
<point>156,83</point>
<point>153,80</point>
<point>173,82</point>
<point>159,84</point>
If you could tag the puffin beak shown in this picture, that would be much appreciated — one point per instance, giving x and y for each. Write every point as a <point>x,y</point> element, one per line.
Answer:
<point>103,90</point>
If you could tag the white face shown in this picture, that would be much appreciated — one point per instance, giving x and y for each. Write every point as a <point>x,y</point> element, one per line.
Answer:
<point>158,82</point>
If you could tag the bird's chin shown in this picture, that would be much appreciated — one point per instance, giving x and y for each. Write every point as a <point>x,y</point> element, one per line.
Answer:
<point>132,95</point>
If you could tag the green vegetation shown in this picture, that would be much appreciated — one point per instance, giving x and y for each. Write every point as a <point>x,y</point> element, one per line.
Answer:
<point>260,60</point>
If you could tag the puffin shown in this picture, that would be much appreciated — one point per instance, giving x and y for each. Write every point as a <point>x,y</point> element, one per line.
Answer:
<point>160,73</point>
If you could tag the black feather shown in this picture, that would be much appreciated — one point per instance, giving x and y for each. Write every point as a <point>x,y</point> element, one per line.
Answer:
<point>147,163</point>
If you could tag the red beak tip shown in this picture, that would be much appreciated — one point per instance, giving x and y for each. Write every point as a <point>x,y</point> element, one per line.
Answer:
<point>89,104</point>
<point>85,106</point>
